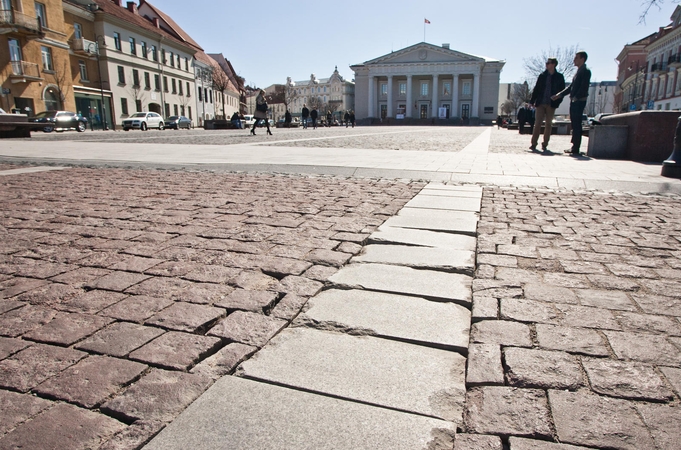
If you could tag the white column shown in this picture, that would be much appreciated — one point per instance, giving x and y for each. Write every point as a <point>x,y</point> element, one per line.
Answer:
<point>410,107</point>
<point>436,84</point>
<point>390,97</point>
<point>475,109</point>
<point>455,96</point>
<point>372,97</point>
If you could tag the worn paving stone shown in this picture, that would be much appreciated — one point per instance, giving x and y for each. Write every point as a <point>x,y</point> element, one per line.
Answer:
<point>299,286</point>
<point>517,443</point>
<point>433,220</point>
<point>247,300</point>
<point>477,441</point>
<point>9,305</point>
<point>442,202</point>
<point>261,416</point>
<point>49,295</point>
<point>616,300</point>
<point>423,380</point>
<point>484,308</point>
<point>66,329</point>
<point>586,419</point>
<point>320,273</point>
<point>9,346</point>
<point>22,320</point>
<point>450,260</point>
<point>587,317</point>
<point>484,366</point>
<point>33,365</point>
<point>91,381</point>
<point>408,236</point>
<point>626,379</point>
<point>573,340</point>
<point>247,328</point>
<point>649,348</point>
<point>552,294</point>
<point>656,304</point>
<point>54,429</point>
<point>508,411</point>
<point>664,423</point>
<point>137,308</point>
<point>289,307</point>
<point>117,281</point>
<point>135,264</point>
<point>16,408</point>
<point>501,332</point>
<point>224,361</point>
<point>529,368</point>
<point>188,317</point>
<point>649,323</point>
<point>133,436</point>
<point>176,351</point>
<point>673,376</point>
<point>517,250</point>
<point>119,339</point>
<point>529,311</point>
<point>328,257</point>
<point>17,285</point>
<point>91,302</point>
<point>405,280</point>
<point>159,395</point>
<point>210,273</point>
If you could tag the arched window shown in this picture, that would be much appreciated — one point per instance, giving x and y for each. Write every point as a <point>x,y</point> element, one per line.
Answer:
<point>51,99</point>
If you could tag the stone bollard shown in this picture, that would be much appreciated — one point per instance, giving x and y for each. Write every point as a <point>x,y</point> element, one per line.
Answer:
<point>671,167</point>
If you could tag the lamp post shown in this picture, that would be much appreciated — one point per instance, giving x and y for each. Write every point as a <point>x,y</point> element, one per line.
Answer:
<point>95,46</point>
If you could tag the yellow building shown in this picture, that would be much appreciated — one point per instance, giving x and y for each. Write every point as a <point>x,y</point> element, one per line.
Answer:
<point>35,67</point>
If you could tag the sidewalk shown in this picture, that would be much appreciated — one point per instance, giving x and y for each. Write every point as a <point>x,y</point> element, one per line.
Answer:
<point>129,294</point>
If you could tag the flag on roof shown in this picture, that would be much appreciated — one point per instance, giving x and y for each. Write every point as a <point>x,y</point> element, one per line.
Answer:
<point>426,20</point>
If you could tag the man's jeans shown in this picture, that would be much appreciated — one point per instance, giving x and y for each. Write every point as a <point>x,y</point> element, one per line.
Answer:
<point>543,112</point>
<point>576,112</point>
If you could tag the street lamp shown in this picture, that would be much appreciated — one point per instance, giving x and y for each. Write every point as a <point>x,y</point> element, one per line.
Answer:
<point>93,47</point>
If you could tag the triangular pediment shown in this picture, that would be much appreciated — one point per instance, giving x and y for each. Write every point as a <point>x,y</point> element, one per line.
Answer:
<point>424,52</point>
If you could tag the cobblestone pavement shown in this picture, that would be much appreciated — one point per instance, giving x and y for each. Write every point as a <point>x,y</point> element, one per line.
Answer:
<point>125,294</point>
<point>576,305</point>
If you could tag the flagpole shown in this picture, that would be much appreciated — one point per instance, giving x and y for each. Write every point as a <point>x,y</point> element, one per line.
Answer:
<point>424,30</point>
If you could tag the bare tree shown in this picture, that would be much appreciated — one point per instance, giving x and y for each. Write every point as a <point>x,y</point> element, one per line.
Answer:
<point>508,108</point>
<point>61,76</point>
<point>315,103</point>
<point>220,84</point>
<point>520,94</point>
<point>138,95</point>
<point>535,65</point>
<point>647,5</point>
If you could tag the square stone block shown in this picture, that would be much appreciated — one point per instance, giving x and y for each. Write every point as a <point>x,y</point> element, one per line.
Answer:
<point>67,329</point>
<point>247,328</point>
<point>137,308</point>
<point>176,351</point>
<point>181,316</point>
<point>445,259</point>
<point>461,222</point>
<point>119,339</point>
<point>15,408</point>
<point>424,238</point>
<point>35,364</point>
<point>542,369</point>
<point>626,379</point>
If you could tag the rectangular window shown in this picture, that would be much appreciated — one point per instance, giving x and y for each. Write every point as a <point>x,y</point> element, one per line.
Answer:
<point>124,106</point>
<point>182,110</point>
<point>165,84</point>
<point>205,94</point>
<point>83,70</point>
<point>200,94</point>
<point>189,110</point>
<point>172,59</point>
<point>121,75</point>
<point>154,53</point>
<point>210,93</point>
<point>446,88</point>
<point>172,81</point>
<point>135,77</point>
<point>147,81</point>
<point>77,30</point>
<point>133,47</point>
<point>424,89</point>
<point>163,56</point>
<point>157,82</point>
<point>117,40</point>
<point>186,64</point>
<point>403,88</point>
<point>189,92</point>
<point>423,112</point>
<point>144,49</point>
<point>167,109</point>
<point>175,110</point>
<point>138,105</point>
<point>47,58</point>
<point>384,89</point>
<point>40,14</point>
<point>179,85</point>
<point>466,88</point>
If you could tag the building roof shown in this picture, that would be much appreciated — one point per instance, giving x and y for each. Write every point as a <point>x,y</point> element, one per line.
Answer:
<point>444,49</point>
<point>169,22</point>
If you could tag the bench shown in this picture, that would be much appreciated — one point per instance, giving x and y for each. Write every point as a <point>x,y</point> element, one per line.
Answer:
<point>17,126</point>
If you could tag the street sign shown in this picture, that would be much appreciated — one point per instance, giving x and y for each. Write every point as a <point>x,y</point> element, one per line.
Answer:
<point>6,91</point>
<point>651,104</point>
<point>632,107</point>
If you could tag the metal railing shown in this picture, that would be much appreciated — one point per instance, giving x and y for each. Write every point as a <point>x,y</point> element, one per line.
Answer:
<point>84,45</point>
<point>26,69</point>
<point>9,17</point>
<point>674,59</point>
<point>659,67</point>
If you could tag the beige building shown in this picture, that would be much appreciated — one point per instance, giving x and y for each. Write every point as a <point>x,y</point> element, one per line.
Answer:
<point>424,82</point>
<point>335,94</point>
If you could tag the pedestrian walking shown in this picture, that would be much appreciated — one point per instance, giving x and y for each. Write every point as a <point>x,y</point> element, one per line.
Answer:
<point>260,112</point>
<point>313,115</point>
<point>329,118</point>
<point>578,92</point>
<point>352,118</point>
<point>287,119</point>
<point>346,118</point>
<point>549,83</point>
<point>305,114</point>
<point>522,118</point>
<point>530,116</point>
<point>499,120</point>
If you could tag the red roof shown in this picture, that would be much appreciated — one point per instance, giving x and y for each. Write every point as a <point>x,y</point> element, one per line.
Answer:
<point>172,25</point>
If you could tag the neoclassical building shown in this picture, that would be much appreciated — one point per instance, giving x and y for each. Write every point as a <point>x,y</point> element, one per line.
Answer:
<point>425,81</point>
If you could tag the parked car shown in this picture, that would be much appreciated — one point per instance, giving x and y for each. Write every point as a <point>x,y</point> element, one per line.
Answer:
<point>144,121</point>
<point>60,121</point>
<point>248,120</point>
<point>177,122</point>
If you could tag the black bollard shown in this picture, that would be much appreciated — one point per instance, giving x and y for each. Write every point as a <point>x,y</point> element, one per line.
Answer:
<point>671,167</point>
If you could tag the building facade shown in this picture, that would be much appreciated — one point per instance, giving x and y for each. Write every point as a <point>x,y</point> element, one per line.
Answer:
<point>631,76</point>
<point>663,77</point>
<point>428,82</point>
<point>234,95</point>
<point>334,94</point>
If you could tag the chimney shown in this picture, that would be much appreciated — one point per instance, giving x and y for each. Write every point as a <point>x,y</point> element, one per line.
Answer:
<point>157,24</point>
<point>118,2</point>
<point>132,7</point>
<point>445,46</point>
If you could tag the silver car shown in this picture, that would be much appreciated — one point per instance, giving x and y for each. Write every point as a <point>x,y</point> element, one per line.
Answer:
<point>143,121</point>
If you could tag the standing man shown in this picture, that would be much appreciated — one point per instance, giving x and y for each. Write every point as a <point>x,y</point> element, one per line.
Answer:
<point>522,117</point>
<point>578,92</point>
<point>313,115</point>
<point>549,83</point>
<point>305,113</point>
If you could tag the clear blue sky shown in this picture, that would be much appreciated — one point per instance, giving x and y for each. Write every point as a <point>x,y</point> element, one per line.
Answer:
<point>267,41</point>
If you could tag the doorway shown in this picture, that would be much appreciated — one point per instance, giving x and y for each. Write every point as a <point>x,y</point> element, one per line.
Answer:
<point>155,107</point>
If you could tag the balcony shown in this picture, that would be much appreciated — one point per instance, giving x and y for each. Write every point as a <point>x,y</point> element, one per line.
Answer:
<point>674,60</point>
<point>18,23</point>
<point>84,47</point>
<point>24,72</point>
<point>659,67</point>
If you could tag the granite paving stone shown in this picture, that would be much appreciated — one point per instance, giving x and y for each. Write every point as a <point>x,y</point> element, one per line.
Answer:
<point>289,307</point>
<point>91,302</point>
<point>49,295</point>
<point>91,381</point>
<point>117,281</point>
<point>441,202</point>
<point>119,339</point>
<point>673,376</point>
<point>445,259</point>
<point>158,395</point>
<point>626,379</point>
<point>597,298</point>
<point>409,236</point>
<point>422,380</point>
<point>176,351</point>
<point>188,317</point>
<point>33,365</point>
<point>505,410</point>
<point>484,308</point>
<point>261,416</point>
<point>68,328</point>
<point>133,436</point>
<point>247,328</point>
<point>81,276</point>
<point>433,220</point>
<point>135,264</point>
<point>587,419</point>
<point>548,293</point>
<point>405,280</point>
<point>248,300</point>
<point>224,361</point>
<point>501,332</point>
<point>136,308</point>
<point>573,340</point>
<point>477,441</point>
<point>649,348</point>
<point>54,429</point>
<point>16,408</point>
<point>22,320</point>
<point>387,315</point>
<point>484,366</point>
<point>543,369</point>
<point>9,305</point>
<point>210,273</point>
<point>253,280</point>
<point>301,286</point>
<point>656,304</point>
<point>587,317</point>
<point>9,346</point>
<point>517,443</point>
<point>529,311</point>
<point>664,423</point>
<point>650,323</point>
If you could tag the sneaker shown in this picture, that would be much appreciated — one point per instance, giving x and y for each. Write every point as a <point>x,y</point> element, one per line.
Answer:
<point>544,147</point>
<point>533,148</point>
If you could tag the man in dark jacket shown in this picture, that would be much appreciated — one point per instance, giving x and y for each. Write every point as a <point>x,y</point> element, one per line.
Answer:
<point>305,114</point>
<point>549,83</point>
<point>313,115</point>
<point>522,118</point>
<point>578,92</point>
